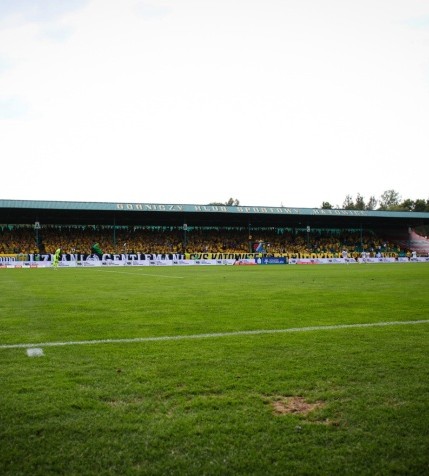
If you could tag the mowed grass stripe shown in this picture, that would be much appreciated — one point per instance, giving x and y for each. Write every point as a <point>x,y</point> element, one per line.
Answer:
<point>213,335</point>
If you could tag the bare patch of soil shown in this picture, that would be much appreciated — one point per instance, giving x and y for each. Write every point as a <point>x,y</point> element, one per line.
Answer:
<point>294,405</point>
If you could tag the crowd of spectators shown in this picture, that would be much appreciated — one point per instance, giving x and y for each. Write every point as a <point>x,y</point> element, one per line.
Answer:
<point>170,240</point>
<point>18,240</point>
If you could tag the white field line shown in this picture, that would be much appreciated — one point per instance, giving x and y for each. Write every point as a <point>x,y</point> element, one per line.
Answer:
<point>218,334</point>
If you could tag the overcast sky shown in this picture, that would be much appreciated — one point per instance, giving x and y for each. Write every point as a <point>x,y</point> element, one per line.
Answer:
<point>271,102</point>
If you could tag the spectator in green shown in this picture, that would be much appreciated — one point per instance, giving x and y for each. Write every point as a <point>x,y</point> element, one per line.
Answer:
<point>96,250</point>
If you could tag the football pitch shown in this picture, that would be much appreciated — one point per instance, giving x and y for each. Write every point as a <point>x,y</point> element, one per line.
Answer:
<point>223,370</point>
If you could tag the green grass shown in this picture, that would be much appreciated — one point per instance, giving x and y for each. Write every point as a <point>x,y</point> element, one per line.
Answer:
<point>206,406</point>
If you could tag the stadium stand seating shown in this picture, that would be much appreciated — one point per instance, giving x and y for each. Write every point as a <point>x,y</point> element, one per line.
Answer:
<point>167,240</point>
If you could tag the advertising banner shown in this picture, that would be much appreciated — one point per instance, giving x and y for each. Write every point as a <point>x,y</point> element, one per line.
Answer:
<point>271,260</point>
<point>209,259</point>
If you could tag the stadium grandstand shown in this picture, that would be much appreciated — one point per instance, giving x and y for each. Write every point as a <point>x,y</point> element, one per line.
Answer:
<point>31,230</point>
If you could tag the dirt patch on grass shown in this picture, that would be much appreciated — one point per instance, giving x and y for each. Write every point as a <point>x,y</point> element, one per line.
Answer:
<point>294,405</point>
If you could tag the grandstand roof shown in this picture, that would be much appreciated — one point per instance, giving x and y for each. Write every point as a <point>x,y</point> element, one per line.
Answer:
<point>155,214</point>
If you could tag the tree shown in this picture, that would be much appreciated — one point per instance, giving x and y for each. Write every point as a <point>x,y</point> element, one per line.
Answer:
<point>348,203</point>
<point>421,205</point>
<point>360,202</point>
<point>390,200</point>
<point>372,203</point>
<point>232,202</point>
<point>408,205</point>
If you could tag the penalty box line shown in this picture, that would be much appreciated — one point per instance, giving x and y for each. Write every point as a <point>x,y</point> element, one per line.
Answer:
<point>213,335</point>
